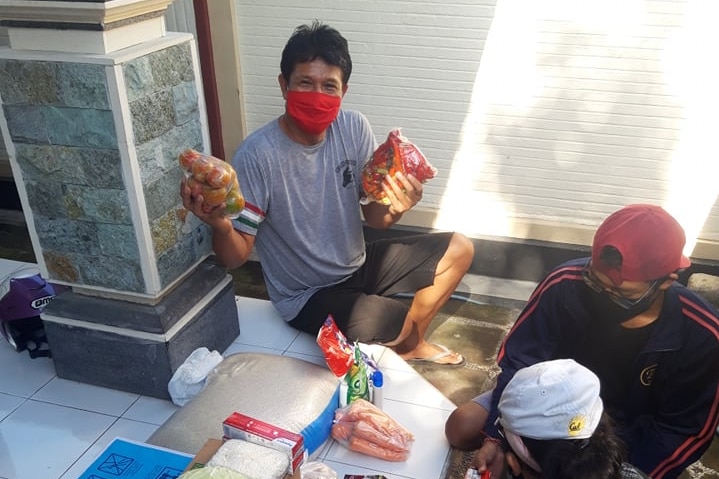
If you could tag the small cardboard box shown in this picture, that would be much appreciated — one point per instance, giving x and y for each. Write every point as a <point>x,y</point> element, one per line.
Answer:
<point>240,426</point>
<point>134,460</point>
<point>205,454</point>
<point>210,448</point>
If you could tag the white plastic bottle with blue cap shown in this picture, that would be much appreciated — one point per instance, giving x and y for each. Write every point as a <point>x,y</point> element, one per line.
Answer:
<point>377,383</point>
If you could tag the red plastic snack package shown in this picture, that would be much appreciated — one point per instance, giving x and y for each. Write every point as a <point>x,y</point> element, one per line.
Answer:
<point>472,473</point>
<point>338,352</point>
<point>397,153</point>
<point>365,428</point>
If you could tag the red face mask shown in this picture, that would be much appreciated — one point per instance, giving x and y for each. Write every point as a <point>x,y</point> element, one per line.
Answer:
<point>312,111</point>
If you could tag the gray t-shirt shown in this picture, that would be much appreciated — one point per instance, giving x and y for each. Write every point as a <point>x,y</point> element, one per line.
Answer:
<point>302,205</point>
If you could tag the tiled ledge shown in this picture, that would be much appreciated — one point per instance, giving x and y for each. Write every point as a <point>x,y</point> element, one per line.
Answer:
<point>82,27</point>
<point>82,15</point>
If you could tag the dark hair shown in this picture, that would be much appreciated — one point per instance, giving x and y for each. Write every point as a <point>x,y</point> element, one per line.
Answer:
<point>598,457</point>
<point>309,42</point>
<point>611,257</point>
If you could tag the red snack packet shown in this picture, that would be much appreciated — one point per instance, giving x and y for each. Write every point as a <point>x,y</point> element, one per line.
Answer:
<point>472,473</point>
<point>338,352</point>
<point>397,153</point>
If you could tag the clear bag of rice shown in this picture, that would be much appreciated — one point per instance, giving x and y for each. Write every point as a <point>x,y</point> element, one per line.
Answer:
<point>212,472</point>
<point>253,460</point>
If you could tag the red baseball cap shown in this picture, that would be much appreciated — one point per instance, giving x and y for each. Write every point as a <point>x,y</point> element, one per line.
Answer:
<point>649,239</point>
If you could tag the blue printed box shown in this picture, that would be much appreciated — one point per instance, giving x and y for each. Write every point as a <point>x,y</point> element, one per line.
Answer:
<point>124,459</point>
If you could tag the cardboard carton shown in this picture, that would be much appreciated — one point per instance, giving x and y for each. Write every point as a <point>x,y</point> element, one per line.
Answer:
<point>205,454</point>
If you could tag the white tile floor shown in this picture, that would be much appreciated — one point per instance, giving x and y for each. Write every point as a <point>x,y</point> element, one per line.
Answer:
<point>52,428</point>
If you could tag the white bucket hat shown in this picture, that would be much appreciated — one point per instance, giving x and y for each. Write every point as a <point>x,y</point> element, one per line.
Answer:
<point>552,400</point>
<point>556,399</point>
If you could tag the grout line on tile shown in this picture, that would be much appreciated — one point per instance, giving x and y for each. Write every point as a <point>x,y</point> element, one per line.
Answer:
<point>39,388</point>
<point>438,408</point>
<point>44,401</point>
<point>89,447</point>
<point>130,406</point>
<point>22,402</point>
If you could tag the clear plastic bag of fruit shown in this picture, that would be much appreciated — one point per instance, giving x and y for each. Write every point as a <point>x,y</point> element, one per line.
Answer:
<point>216,179</point>
<point>396,154</point>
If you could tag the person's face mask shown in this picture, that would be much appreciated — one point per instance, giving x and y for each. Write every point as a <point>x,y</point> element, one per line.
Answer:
<point>611,306</point>
<point>312,111</point>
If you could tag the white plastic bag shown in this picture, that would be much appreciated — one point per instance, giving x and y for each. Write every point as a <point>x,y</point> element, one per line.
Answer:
<point>189,379</point>
<point>317,470</point>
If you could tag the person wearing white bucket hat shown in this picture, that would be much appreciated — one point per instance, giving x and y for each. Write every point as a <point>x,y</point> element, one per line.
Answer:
<point>552,400</point>
<point>553,421</point>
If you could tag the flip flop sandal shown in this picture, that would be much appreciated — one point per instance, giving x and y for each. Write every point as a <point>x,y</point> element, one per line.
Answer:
<point>436,358</point>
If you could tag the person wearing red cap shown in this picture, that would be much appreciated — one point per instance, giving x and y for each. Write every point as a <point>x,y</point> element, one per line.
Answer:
<point>653,343</point>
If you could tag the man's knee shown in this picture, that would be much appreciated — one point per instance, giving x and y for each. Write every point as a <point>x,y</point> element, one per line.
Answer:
<point>461,250</point>
<point>464,426</point>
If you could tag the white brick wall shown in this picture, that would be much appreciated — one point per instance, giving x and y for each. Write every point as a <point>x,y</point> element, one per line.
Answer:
<point>541,116</point>
<point>5,171</point>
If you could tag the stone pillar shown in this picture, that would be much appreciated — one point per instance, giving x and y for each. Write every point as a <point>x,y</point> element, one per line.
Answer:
<point>98,101</point>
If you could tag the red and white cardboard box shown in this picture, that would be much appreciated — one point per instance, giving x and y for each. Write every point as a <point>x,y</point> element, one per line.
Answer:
<point>240,426</point>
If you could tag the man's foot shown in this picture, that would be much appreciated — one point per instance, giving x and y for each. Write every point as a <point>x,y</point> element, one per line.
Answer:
<point>434,353</point>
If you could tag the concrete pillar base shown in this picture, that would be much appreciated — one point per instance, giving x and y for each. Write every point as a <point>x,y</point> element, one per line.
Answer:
<point>137,347</point>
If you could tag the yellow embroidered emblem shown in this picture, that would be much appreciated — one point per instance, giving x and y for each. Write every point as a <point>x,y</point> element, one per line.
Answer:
<point>576,425</point>
<point>647,375</point>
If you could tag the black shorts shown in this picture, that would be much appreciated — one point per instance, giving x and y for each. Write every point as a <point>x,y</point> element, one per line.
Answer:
<point>362,305</point>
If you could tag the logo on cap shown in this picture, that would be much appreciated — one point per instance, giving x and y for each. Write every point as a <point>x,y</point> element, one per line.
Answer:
<point>576,425</point>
